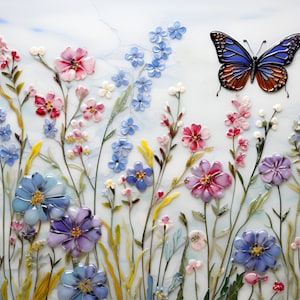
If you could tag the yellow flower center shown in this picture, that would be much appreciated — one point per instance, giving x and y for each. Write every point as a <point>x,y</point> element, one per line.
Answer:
<point>206,178</point>
<point>257,250</point>
<point>195,138</point>
<point>85,285</point>
<point>48,105</point>
<point>74,64</point>
<point>37,197</point>
<point>76,231</point>
<point>91,109</point>
<point>140,175</point>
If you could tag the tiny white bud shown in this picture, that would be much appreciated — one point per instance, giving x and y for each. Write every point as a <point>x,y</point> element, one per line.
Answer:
<point>258,123</point>
<point>277,107</point>
<point>261,113</point>
<point>257,135</point>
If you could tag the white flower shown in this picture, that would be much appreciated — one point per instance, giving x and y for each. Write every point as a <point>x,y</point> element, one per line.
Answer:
<point>277,107</point>
<point>106,90</point>
<point>37,51</point>
<point>259,123</point>
<point>257,135</point>
<point>261,113</point>
<point>172,91</point>
<point>274,121</point>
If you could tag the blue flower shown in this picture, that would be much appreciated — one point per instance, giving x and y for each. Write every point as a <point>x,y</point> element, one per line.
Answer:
<point>2,115</point>
<point>9,155</point>
<point>84,282</point>
<point>135,56</point>
<point>128,127</point>
<point>176,31</point>
<point>158,35</point>
<point>40,198</point>
<point>117,163</point>
<point>122,147</point>
<point>143,84</point>
<point>162,51</point>
<point>155,68</point>
<point>5,133</point>
<point>120,79</point>
<point>140,102</point>
<point>256,250</point>
<point>139,176</point>
<point>49,128</point>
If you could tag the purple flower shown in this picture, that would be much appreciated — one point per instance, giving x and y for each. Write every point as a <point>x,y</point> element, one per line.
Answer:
<point>275,169</point>
<point>155,68</point>
<point>256,250</point>
<point>208,181</point>
<point>128,127</point>
<point>76,232</point>
<point>139,176</point>
<point>135,56</point>
<point>176,31</point>
<point>120,79</point>
<point>49,128</point>
<point>84,282</point>
<point>40,198</point>
<point>9,155</point>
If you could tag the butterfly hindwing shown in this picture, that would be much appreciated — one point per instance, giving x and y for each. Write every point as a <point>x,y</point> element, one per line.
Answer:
<point>238,66</point>
<point>236,61</point>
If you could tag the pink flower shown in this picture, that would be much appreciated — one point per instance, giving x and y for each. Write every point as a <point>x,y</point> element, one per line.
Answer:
<point>165,120</point>
<point>208,181</point>
<point>3,45</point>
<point>251,278</point>
<point>165,222</point>
<point>16,226</point>
<point>48,104</point>
<point>278,286</point>
<point>15,55</point>
<point>239,160</point>
<point>194,137</point>
<point>81,92</point>
<point>163,140</point>
<point>74,64</point>
<point>243,143</point>
<point>231,132</point>
<point>197,239</point>
<point>296,243</point>
<point>193,265</point>
<point>92,109</point>
<point>31,91</point>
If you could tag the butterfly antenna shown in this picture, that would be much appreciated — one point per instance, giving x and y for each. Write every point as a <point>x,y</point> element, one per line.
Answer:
<point>287,93</point>
<point>263,42</point>
<point>218,91</point>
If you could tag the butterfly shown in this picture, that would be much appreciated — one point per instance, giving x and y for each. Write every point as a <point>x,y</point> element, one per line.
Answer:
<point>238,65</point>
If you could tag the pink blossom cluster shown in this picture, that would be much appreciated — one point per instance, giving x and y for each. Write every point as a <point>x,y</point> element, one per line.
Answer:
<point>4,58</point>
<point>238,123</point>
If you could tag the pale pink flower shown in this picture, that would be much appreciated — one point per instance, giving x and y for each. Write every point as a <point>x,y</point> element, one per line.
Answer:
<point>296,243</point>
<point>92,109</point>
<point>165,120</point>
<point>193,265</point>
<point>74,64</point>
<point>12,240</point>
<point>163,140</point>
<point>239,159</point>
<point>16,226</point>
<point>194,137</point>
<point>243,143</point>
<point>197,239</point>
<point>31,91</point>
<point>127,192</point>
<point>165,222</point>
<point>81,92</point>
<point>3,45</point>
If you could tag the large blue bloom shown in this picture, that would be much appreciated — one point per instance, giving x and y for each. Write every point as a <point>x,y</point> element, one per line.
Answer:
<point>40,198</point>
<point>83,283</point>
<point>139,176</point>
<point>9,155</point>
<point>176,31</point>
<point>256,250</point>
<point>135,56</point>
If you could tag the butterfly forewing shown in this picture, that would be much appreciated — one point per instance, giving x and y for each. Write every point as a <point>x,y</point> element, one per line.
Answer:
<point>237,63</point>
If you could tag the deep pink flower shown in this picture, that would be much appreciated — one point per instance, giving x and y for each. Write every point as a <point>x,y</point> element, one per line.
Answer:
<point>239,159</point>
<point>243,143</point>
<point>49,104</point>
<point>278,286</point>
<point>275,169</point>
<point>74,64</point>
<point>208,181</point>
<point>232,132</point>
<point>194,137</point>
<point>92,109</point>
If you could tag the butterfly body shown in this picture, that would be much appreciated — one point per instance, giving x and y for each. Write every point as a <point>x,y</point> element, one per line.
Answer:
<point>238,66</point>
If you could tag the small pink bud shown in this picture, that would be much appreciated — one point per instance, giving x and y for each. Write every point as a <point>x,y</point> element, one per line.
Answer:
<point>251,278</point>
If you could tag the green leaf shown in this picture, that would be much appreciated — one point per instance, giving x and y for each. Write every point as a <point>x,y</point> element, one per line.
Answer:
<point>19,87</point>
<point>10,87</point>
<point>109,135</point>
<point>198,216</point>
<point>117,207</point>
<point>106,204</point>
<point>16,76</point>
<point>137,242</point>
<point>256,204</point>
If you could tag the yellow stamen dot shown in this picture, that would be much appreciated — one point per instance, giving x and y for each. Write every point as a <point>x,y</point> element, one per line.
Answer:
<point>48,105</point>
<point>76,231</point>
<point>195,138</point>
<point>206,178</point>
<point>140,175</point>
<point>92,109</point>
<point>257,250</point>
<point>85,285</point>
<point>37,197</point>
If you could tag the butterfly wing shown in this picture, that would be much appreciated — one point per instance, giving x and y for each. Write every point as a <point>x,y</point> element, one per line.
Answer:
<point>236,62</point>
<point>270,71</point>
